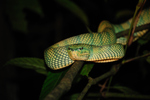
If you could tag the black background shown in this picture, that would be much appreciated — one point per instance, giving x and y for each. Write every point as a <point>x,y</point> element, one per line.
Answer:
<point>59,23</point>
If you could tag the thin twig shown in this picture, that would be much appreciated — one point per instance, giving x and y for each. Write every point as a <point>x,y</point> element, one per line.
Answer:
<point>103,86</point>
<point>95,81</point>
<point>112,71</point>
<point>136,21</point>
<point>135,58</point>
<point>131,26</point>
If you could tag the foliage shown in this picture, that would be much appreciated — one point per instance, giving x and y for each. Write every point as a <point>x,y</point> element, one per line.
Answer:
<point>52,80</point>
<point>74,9</point>
<point>14,10</point>
<point>17,19</point>
<point>29,63</point>
<point>86,69</point>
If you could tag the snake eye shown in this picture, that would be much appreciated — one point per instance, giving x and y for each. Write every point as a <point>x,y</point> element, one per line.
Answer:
<point>80,48</point>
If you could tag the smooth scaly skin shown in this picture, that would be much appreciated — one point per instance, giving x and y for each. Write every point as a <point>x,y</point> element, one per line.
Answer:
<point>97,47</point>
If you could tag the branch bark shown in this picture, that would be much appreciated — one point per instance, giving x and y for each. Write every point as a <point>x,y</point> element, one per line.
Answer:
<point>113,71</point>
<point>65,83</point>
<point>92,81</point>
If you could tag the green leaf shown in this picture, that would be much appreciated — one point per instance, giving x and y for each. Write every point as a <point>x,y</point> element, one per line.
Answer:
<point>29,63</point>
<point>123,13</point>
<point>142,41</point>
<point>53,78</point>
<point>86,69</point>
<point>74,9</point>
<point>125,89</point>
<point>14,10</point>
<point>148,59</point>
<point>72,97</point>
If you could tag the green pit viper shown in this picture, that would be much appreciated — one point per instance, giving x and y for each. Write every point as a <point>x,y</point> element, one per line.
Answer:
<point>99,47</point>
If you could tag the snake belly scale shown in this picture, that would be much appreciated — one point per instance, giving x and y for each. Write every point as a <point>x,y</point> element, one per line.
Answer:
<point>99,47</point>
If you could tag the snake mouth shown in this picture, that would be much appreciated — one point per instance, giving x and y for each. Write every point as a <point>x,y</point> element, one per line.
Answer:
<point>106,60</point>
<point>84,54</point>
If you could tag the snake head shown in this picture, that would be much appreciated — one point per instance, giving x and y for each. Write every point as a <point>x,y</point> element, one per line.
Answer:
<point>78,52</point>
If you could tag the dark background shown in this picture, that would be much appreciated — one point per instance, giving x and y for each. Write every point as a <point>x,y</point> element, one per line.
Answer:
<point>59,23</point>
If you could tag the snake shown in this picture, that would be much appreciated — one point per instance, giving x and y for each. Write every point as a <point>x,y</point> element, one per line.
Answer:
<point>99,47</point>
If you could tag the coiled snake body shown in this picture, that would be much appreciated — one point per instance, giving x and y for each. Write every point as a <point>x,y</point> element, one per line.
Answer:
<point>99,47</point>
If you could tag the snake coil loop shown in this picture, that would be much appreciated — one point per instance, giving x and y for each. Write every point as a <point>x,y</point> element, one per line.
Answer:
<point>99,47</point>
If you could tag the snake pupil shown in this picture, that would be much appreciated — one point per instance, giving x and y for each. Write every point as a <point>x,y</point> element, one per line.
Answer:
<point>76,49</point>
<point>80,48</point>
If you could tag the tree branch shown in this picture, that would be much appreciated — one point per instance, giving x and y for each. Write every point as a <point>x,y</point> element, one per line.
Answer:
<point>137,29</point>
<point>119,95</point>
<point>135,58</point>
<point>65,83</point>
<point>92,81</point>
<point>112,71</point>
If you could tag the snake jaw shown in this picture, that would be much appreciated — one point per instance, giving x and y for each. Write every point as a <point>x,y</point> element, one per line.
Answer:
<point>78,52</point>
<point>75,55</point>
<point>106,60</point>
